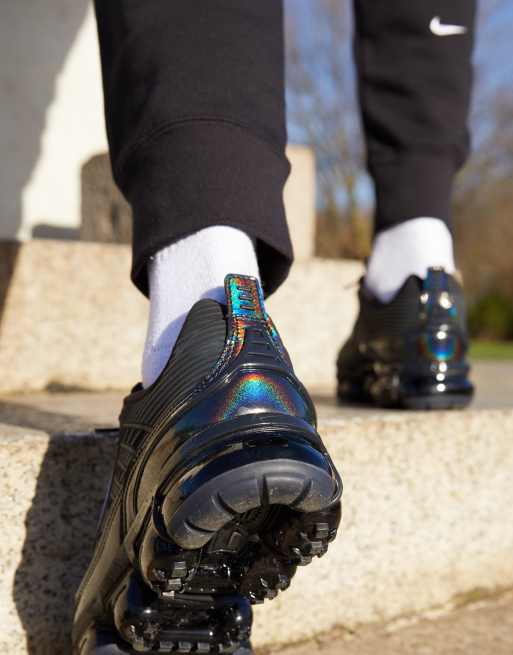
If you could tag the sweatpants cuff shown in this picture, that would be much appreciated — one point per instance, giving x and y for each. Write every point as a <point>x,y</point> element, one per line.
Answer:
<point>202,173</point>
<point>413,186</point>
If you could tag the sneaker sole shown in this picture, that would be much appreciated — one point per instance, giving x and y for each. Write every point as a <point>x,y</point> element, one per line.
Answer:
<point>392,392</point>
<point>222,537</point>
<point>108,643</point>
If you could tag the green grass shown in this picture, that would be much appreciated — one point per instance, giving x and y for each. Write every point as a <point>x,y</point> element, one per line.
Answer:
<point>482,349</point>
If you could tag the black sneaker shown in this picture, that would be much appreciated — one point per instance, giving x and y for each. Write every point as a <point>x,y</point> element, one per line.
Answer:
<point>221,488</point>
<point>411,351</point>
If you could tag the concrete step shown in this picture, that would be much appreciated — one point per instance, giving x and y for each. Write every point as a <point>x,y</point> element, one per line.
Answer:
<point>426,516</point>
<point>62,328</point>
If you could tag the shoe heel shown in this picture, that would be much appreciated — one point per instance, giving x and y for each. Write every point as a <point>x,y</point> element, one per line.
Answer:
<point>243,521</point>
<point>276,471</point>
<point>240,515</point>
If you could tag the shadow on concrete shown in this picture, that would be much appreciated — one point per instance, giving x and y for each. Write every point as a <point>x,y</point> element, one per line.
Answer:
<point>46,231</point>
<point>60,525</point>
<point>60,533</point>
<point>34,418</point>
<point>8,257</point>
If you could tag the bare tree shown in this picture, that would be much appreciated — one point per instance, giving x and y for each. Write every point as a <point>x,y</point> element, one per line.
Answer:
<point>484,194</point>
<point>323,109</point>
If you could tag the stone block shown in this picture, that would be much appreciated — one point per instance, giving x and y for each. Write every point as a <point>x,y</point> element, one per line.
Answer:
<point>71,318</point>
<point>299,198</point>
<point>426,505</point>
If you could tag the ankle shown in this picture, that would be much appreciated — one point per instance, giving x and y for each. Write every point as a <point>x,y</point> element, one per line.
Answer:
<point>183,273</point>
<point>410,248</point>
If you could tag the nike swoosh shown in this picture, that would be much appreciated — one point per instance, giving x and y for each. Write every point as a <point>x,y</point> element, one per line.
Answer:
<point>441,29</point>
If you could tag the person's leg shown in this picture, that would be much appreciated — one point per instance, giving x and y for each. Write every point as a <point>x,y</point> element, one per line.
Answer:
<point>409,342</point>
<point>414,73</point>
<point>194,99</point>
<point>221,484</point>
<point>196,124</point>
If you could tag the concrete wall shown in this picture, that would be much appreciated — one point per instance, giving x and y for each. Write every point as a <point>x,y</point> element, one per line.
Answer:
<point>70,327</point>
<point>51,119</point>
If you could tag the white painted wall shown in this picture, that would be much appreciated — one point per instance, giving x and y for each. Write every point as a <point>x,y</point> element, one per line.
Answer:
<point>74,131</point>
<point>51,111</point>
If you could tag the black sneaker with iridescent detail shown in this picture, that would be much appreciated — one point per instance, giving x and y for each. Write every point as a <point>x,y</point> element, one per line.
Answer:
<point>221,488</point>
<point>410,352</point>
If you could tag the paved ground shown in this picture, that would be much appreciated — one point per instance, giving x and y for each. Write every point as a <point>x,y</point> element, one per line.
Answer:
<point>485,628</point>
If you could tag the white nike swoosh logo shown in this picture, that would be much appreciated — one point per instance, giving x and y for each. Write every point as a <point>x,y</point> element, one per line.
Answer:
<point>441,29</point>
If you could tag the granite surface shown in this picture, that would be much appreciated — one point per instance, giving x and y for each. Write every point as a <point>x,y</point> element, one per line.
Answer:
<point>426,517</point>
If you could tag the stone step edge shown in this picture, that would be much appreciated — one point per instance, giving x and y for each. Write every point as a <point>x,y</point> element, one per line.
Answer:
<point>426,495</point>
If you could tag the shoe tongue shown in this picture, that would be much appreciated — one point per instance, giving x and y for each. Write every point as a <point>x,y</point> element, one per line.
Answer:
<point>245,297</point>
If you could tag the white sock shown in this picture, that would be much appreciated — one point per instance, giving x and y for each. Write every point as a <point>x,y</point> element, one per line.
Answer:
<point>409,248</point>
<point>183,273</point>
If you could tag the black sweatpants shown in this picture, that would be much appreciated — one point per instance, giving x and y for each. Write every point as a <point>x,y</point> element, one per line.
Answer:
<point>195,111</point>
